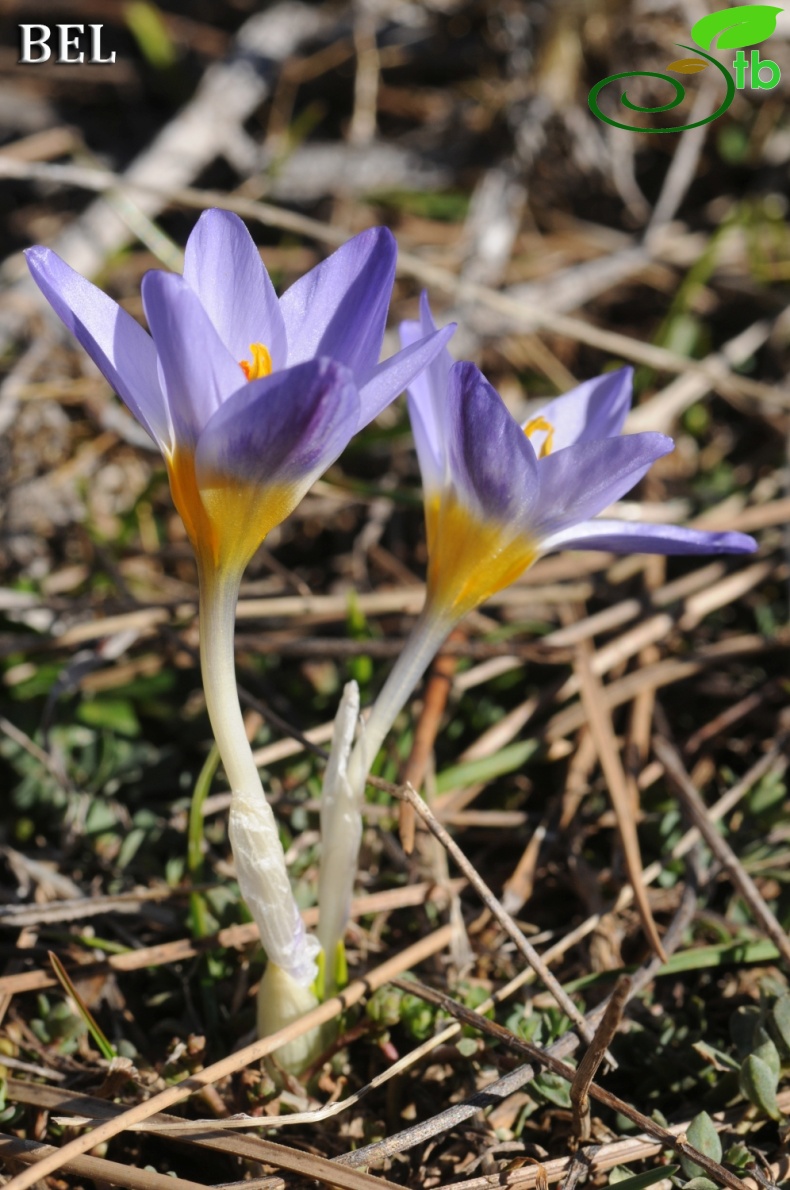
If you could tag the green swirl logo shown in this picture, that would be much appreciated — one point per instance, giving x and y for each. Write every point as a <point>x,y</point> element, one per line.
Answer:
<point>743,25</point>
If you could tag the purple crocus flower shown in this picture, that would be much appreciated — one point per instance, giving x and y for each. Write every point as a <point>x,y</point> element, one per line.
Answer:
<point>498,494</point>
<point>248,397</point>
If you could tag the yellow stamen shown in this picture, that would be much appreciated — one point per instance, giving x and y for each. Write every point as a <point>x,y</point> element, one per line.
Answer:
<point>534,427</point>
<point>469,559</point>
<point>261,362</point>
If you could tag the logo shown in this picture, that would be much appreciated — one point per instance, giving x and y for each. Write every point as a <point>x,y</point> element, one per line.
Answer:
<point>68,39</point>
<point>735,28</point>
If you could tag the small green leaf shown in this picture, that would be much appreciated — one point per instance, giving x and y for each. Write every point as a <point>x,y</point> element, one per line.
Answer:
<point>745,24</point>
<point>717,1058</point>
<point>147,26</point>
<point>552,1087</point>
<point>467,1046</point>
<point>779,1022</point>
<point>767,1052</point>
<point>688,65</point>
<point>758,1083</point>
<point>743,1024</point>
<point>640,1181</point>
<point>702,1134</point>
<point>700,1184</point>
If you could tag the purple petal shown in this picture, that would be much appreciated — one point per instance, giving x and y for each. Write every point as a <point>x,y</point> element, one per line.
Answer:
<point>492,465</point>
<point>594,410</point>
<point>224,268</point>
<point>339,308</point>
<point>582,480</point>
<point>283,430</point>
<point>399,371</point>
<point>629,537</point>
<point>427,400</point>
<point>120,348</point>
<point>198,371</point>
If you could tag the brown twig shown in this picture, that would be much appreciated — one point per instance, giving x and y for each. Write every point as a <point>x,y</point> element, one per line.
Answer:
<point>437,689</point>
<point>669,757</point>
<point>600,724</point>
<point>594,1055</point>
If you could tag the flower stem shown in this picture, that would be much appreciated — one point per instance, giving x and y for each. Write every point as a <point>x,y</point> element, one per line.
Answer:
<point>260,863</point>
<point>425,640</point>
<point>342,824</point>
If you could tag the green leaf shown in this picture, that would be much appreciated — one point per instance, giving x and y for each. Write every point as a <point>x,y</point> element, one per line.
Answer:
<point>758,1083</point>
<point>702,1134</point>
<point>488,767</point>
<point>768,1053</point>
<point>700,1184</point>
<point>717,1058</point>
<point>554,1088</point>
<point>779,1022</point>
<point>640,1180</point>
<point>148,28</point>
<point>743,1025</point>
<point>745,24</point>
<point>113,714</point>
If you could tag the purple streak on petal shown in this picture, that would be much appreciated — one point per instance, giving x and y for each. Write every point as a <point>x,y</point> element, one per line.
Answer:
<point>339,308</point>
<point>591,411</point>
<point>284,429</point>
<point>399,371</point>
<point>491,462</point>
<point>582,480</point>
<point>427,400</point>
<point>622,537</point>
<point>224,268</point>
<point>198,371</point>
<point>120,348</point>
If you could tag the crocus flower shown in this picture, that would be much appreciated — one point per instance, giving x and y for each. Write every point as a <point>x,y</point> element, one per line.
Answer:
<point>249,398</point>
<point>498,495</point>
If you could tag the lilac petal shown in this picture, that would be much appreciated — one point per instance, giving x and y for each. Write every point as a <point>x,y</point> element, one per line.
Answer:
<point>198,371</point>
<point>582,480</point>
<point>339,308</point>
<point>491,462</point>
<point>120,348</point>
<point>399,371</point>
<point>594,410</point>
<point>629,537</point>
<point>283,430</point>
<point>427,400</point>
<point>223,267</point>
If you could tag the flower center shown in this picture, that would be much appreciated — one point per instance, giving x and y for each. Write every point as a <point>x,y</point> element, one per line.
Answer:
<point>539,425</point>
<point>261,364</point>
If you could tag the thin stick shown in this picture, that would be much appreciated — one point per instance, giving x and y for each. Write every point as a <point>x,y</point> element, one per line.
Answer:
<point>434,703</point>
<point>600,724</point>
<point>494,906</point>
<point>588,1067</point>
<point>698,811</point>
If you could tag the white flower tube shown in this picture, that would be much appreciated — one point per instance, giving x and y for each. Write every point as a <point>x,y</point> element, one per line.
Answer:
<point>287,988</point>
